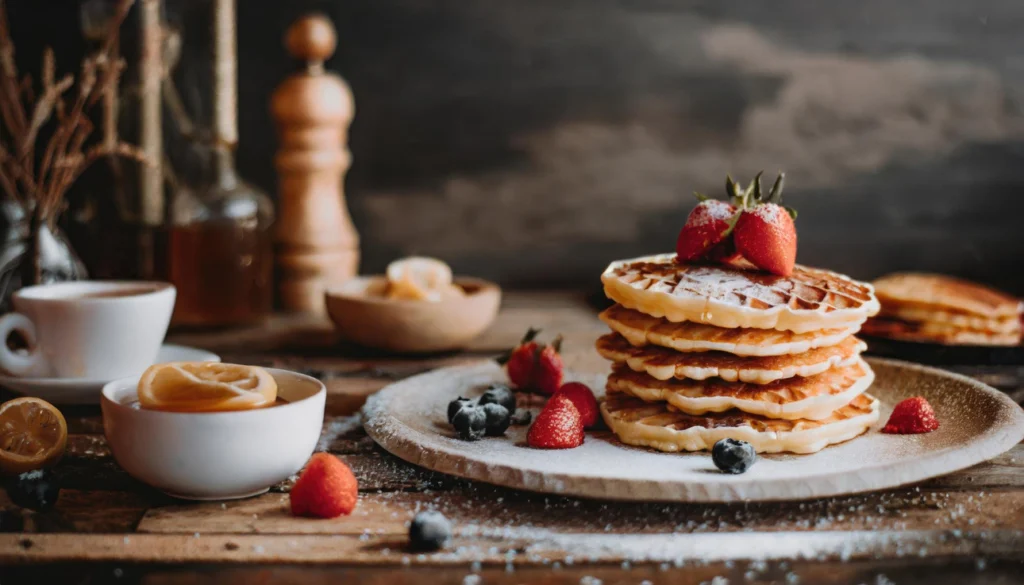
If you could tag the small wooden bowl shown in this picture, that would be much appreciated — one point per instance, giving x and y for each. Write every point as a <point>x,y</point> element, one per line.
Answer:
<point>362,316</point>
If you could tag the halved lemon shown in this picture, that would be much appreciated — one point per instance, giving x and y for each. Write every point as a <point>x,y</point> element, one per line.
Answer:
<point>205,387</point>
<point>33,434</point>
<point>418,278</point>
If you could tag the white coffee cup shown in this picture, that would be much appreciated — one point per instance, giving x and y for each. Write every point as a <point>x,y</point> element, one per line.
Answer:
<point>97,330</point>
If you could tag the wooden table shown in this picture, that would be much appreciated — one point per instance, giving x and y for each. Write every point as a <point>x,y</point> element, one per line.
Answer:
<point>964,528</point>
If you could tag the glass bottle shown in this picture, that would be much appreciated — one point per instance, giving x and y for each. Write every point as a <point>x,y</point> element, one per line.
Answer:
<point>220,251</point>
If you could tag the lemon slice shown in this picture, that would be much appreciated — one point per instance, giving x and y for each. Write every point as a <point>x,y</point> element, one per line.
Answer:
<point>418,278</point>
<point>206,387</point>
<point>33,434</point>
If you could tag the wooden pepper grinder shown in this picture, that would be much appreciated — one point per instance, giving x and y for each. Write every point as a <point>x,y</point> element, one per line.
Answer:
<point>317,245</point>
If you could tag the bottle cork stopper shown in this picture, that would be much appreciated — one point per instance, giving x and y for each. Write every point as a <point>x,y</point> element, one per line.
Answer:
<point>312,39</point>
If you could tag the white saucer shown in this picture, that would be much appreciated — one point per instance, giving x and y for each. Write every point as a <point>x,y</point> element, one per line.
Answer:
<point>85,391</point>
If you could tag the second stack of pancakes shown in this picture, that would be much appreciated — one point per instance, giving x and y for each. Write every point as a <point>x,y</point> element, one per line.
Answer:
<point>701,353</point>
<point>934,308</point>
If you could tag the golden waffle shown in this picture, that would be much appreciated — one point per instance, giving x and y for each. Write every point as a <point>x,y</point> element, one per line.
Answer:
<point>937,333</point>
<point>662,363</point>
<point>808,300</point>
<point>656,425</point>
<point>642,330</point>
<point>936,292</point>
<point>951,320</point>
<point>793,398</point>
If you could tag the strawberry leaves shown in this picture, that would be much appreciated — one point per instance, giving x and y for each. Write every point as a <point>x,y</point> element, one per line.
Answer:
<point>775,195</point>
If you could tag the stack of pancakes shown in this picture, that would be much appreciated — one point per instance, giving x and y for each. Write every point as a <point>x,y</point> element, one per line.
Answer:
<point>701,353</point>
<point>933,308</point>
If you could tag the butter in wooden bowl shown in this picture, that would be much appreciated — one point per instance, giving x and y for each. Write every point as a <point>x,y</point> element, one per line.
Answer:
<point>417,306</point>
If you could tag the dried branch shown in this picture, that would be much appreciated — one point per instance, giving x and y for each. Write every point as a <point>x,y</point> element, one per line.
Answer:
<point>7,184</point>
<point>11,108</point>
<point>17,173</point>
<point>52,92</point>
<point>120,149</point>
<point>66,153</point>
<point>107,52</point>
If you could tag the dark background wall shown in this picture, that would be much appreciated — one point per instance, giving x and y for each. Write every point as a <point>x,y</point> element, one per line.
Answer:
<point>532,141</point>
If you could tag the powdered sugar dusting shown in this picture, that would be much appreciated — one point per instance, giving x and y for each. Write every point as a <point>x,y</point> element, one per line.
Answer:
<point>768,212</point>
<point>709,212</point>
<point>335,429</point>
<point>807,300</point>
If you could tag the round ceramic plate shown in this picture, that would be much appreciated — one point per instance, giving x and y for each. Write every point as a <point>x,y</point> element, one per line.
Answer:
<point>87,391</point>
<point>977,423</point>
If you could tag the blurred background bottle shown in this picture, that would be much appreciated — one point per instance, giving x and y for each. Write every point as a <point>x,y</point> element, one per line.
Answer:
<point>220,247</point>
<point>220,254</point>
<point>190,219</point>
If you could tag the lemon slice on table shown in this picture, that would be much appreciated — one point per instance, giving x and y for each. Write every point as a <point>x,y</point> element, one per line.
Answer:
<point>418,278</point>
<point>205,387</point>
<point>33,434</point>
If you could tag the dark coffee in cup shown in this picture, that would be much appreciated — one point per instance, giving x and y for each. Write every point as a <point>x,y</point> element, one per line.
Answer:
<point>109,294</point>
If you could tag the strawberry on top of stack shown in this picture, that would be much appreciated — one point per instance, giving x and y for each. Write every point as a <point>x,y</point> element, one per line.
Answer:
<point>754,230</point>
<point>730,338</point>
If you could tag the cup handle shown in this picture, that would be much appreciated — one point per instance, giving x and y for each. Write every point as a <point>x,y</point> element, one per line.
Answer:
<point>19,364</point>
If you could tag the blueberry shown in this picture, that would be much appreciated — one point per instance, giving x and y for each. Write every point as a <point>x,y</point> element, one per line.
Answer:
<point>470,422</point>
<point>455,405</point>
<point>429,531</point>
<point>36,490</point>
<point>500,394</point>
<point>732,456</point>
<point>523,417</point>
<point>498,419</point>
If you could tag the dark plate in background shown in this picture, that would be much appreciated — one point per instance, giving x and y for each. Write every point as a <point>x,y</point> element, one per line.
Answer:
<point>935,354</point>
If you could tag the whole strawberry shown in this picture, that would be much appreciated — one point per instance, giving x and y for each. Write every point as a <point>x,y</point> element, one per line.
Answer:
<point>325,489</point>
<point>535,367</point>
<point>766,236</point>
<point>707,225</point>
<point>583,399</point>
<point>912,416</point>
<point>548,376</point>
<point>765,233</point>
<point>752,230</point>
<point>558,426</point>
<point>520,363</point>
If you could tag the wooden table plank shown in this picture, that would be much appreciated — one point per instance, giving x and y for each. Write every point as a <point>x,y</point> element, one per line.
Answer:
<point>904,571</point>
<point>104,516</point>
<point>502,549</point>
<point>390,512</point>
<point>80,512</point>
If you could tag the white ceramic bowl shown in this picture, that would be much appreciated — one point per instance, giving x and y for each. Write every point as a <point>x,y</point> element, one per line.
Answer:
<point>215,455</point>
